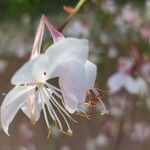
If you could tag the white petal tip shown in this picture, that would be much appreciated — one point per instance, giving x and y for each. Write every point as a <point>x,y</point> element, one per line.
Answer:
<point>6,131</point>
<point>71,111</point>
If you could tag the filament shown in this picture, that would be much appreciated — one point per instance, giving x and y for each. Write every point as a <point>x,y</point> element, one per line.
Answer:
<point>44,110</point>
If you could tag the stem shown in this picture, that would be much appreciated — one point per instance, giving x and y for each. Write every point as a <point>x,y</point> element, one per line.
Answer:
<point>120,133</point>
<point>76,9</point>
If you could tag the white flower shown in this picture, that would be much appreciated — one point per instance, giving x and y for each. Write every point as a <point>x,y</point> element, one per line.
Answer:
<point>118,81</point>
<point>141,132</point>
<point>136,86</point>
<point>65,59</point>
<point>132,16</point>
<point>145,72</point>
<point>34,75</point>
<point>125,65</point>
<point>71,72</point>
<point>109,6</point>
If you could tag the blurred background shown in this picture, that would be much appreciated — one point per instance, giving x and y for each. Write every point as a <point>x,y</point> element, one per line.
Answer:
<point>119,36</point>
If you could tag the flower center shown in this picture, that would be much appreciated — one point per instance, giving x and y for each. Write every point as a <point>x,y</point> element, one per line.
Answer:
<point>42,79</point>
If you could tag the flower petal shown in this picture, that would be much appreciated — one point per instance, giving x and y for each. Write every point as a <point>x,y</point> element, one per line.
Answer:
<point>116,82</point>
<point>24,74</point>
<point>69,48</point>
<point>33,71</point>
<point>38,108</point>
<point>38,39</point>
<point>72,84</point>
<point>56,35</point>
<point>135,86</point>
<point>12,103</point>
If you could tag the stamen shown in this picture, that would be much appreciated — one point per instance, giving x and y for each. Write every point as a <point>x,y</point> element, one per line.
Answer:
<point>60,125</point>
<point>50,100</point>
<point>67,114</point>
<point>55,91</point>
<point>95,91</point>
<point>69,129</point>
<point>49,133</point>
<point>49,110</point>
<point>104,111</point>
<point>57,94</point>
<point>44,110</point>
<point>83,114</point>
<point>60,109</point>
<point>54,99</point>
<point>33,119</point>
<point>53,111</point>
<point>70,133</point>
<point>91,100</point>
<point>52,87</point>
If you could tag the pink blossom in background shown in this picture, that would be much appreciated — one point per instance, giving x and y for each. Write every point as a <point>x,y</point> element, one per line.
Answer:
<point>65,147</point>
<point>109,6</point>
<point>119,81</point>
<point>124,78</point>
<point>132,16</point>
<point>25,132</point>
<point>145,32</point>
<point>141,132</point>
<point>125,64</point>
<point>145,71</point>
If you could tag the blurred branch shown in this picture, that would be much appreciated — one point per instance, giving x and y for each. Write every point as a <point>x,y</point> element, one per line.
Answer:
<point>76,10</point>
<point>121,122</point>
